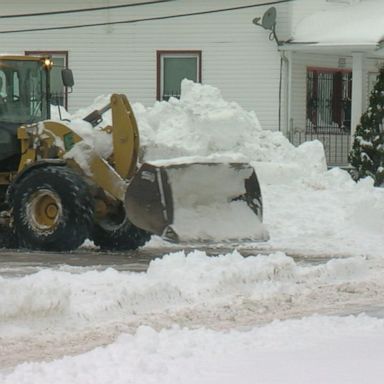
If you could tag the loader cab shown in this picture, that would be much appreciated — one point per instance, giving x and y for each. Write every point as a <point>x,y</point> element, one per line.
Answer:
<point>24,99</point>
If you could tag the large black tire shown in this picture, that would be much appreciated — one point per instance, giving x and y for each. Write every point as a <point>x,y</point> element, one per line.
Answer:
<point>122,236</point>
<point>52,209</point>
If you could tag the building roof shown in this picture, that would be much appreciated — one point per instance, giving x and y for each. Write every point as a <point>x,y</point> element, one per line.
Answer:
<point>360,24</point>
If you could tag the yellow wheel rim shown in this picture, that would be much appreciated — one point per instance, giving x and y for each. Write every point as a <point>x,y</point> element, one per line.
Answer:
<point>44,210</point>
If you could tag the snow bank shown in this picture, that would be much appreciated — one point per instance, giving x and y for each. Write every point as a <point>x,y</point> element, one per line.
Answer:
<point>202,123</point>
<point>58,300</point>
<point>306,207</point>
<point>202,126</point>
<point>311,350</point>
<point>327,214</point>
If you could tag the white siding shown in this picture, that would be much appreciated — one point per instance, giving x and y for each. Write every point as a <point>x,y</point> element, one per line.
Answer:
<point>237,56</point>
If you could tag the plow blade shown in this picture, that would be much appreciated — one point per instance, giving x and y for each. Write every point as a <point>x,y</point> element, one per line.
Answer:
<point>197,202</point>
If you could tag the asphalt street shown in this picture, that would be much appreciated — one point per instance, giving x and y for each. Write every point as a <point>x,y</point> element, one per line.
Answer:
<point>20,262</point>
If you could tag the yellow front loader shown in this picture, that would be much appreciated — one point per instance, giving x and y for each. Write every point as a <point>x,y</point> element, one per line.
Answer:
<point>56,190</point>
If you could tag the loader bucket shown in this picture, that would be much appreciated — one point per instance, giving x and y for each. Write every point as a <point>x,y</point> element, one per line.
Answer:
<point>197,202</point>
<point>148,201</point>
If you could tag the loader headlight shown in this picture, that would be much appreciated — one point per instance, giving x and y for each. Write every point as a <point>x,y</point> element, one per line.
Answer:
<point>48,63</point>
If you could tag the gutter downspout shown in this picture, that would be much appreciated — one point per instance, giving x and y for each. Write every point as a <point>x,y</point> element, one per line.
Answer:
<point>286,80</point>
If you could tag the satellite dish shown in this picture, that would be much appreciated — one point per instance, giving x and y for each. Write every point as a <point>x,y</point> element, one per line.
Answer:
<point>269,19</point>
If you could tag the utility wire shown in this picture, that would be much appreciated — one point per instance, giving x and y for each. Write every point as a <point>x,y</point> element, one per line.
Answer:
<point>82,9</point>
<point>156,18</point>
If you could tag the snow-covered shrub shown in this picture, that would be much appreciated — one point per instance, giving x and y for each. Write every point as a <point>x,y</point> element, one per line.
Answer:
<point>367,154</point>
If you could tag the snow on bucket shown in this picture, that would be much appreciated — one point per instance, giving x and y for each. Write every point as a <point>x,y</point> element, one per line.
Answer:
<point>202,202</point>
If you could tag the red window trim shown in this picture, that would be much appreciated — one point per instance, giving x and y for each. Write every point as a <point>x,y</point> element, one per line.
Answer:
<point>160,53</point>
<point>329,70</point>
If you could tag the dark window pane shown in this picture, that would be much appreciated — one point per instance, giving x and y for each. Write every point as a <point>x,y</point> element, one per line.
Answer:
<point>57,88</point>
<point>23,98</point>
<point>175,70</point>
<point>328,100</point>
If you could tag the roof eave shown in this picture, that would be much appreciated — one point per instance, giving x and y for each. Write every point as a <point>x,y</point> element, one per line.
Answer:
<point>340,48</point>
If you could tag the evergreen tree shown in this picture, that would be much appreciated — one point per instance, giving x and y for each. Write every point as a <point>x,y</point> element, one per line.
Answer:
<point>367,154</point>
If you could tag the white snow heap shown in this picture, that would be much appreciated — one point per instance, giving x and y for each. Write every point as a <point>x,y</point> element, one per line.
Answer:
<point>72,298</point>
<point>202,123</point>
<point>202,126</point>
<point>95,137</point>
<point>316,349</point>
<point>305,206</point>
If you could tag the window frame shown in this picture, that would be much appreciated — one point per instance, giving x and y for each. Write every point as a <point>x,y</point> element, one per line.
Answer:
<point>160,54</point>
<point>53,53</point>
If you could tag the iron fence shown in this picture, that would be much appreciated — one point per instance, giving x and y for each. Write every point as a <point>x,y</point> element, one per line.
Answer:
<point>336,145</point>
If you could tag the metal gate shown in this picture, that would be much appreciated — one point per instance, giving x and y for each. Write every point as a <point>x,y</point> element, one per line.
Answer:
<point>328,113</point>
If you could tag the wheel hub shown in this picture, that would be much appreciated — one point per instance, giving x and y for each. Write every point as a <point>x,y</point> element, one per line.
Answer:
<point>44,210</point>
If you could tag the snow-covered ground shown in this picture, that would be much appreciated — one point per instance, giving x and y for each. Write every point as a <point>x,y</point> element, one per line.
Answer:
<point>192,318</point>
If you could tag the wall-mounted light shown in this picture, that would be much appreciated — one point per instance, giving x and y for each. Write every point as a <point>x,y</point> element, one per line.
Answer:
<point>342,62</point>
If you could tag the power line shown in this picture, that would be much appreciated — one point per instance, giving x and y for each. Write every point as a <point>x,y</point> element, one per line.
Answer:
<point>79,10</point>
<point>156,18</point>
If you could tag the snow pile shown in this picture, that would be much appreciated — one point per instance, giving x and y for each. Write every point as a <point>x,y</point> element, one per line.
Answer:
<point>95,137</point>
<point>201,123</point>
<point>72,305</point>
<point>202,126</point>
<point>50,300</point>
<point>306,207</point>
<point>327,214</point>
<point>311,350</point>
<point>356,23</point>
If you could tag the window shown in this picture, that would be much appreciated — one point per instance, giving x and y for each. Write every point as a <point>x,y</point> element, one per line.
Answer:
<point>22,87</point>
<point>328,100</point>
<point>59,94</point>
<point>172,68</point>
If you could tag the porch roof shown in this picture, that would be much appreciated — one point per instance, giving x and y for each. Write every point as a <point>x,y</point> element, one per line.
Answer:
<point>347,27</point>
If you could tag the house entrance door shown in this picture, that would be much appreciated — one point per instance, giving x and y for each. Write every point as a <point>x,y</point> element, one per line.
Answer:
<point>328,113</point>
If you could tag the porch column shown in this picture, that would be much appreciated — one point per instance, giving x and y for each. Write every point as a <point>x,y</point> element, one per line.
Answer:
<point>357,90</point>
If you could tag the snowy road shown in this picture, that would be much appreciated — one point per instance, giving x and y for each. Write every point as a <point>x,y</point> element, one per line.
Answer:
<point>88,298</point>
<point>19,263</point>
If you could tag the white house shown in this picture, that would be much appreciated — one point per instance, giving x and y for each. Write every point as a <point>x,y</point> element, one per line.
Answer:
<point>296,79</point>
<point>332,60</point>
